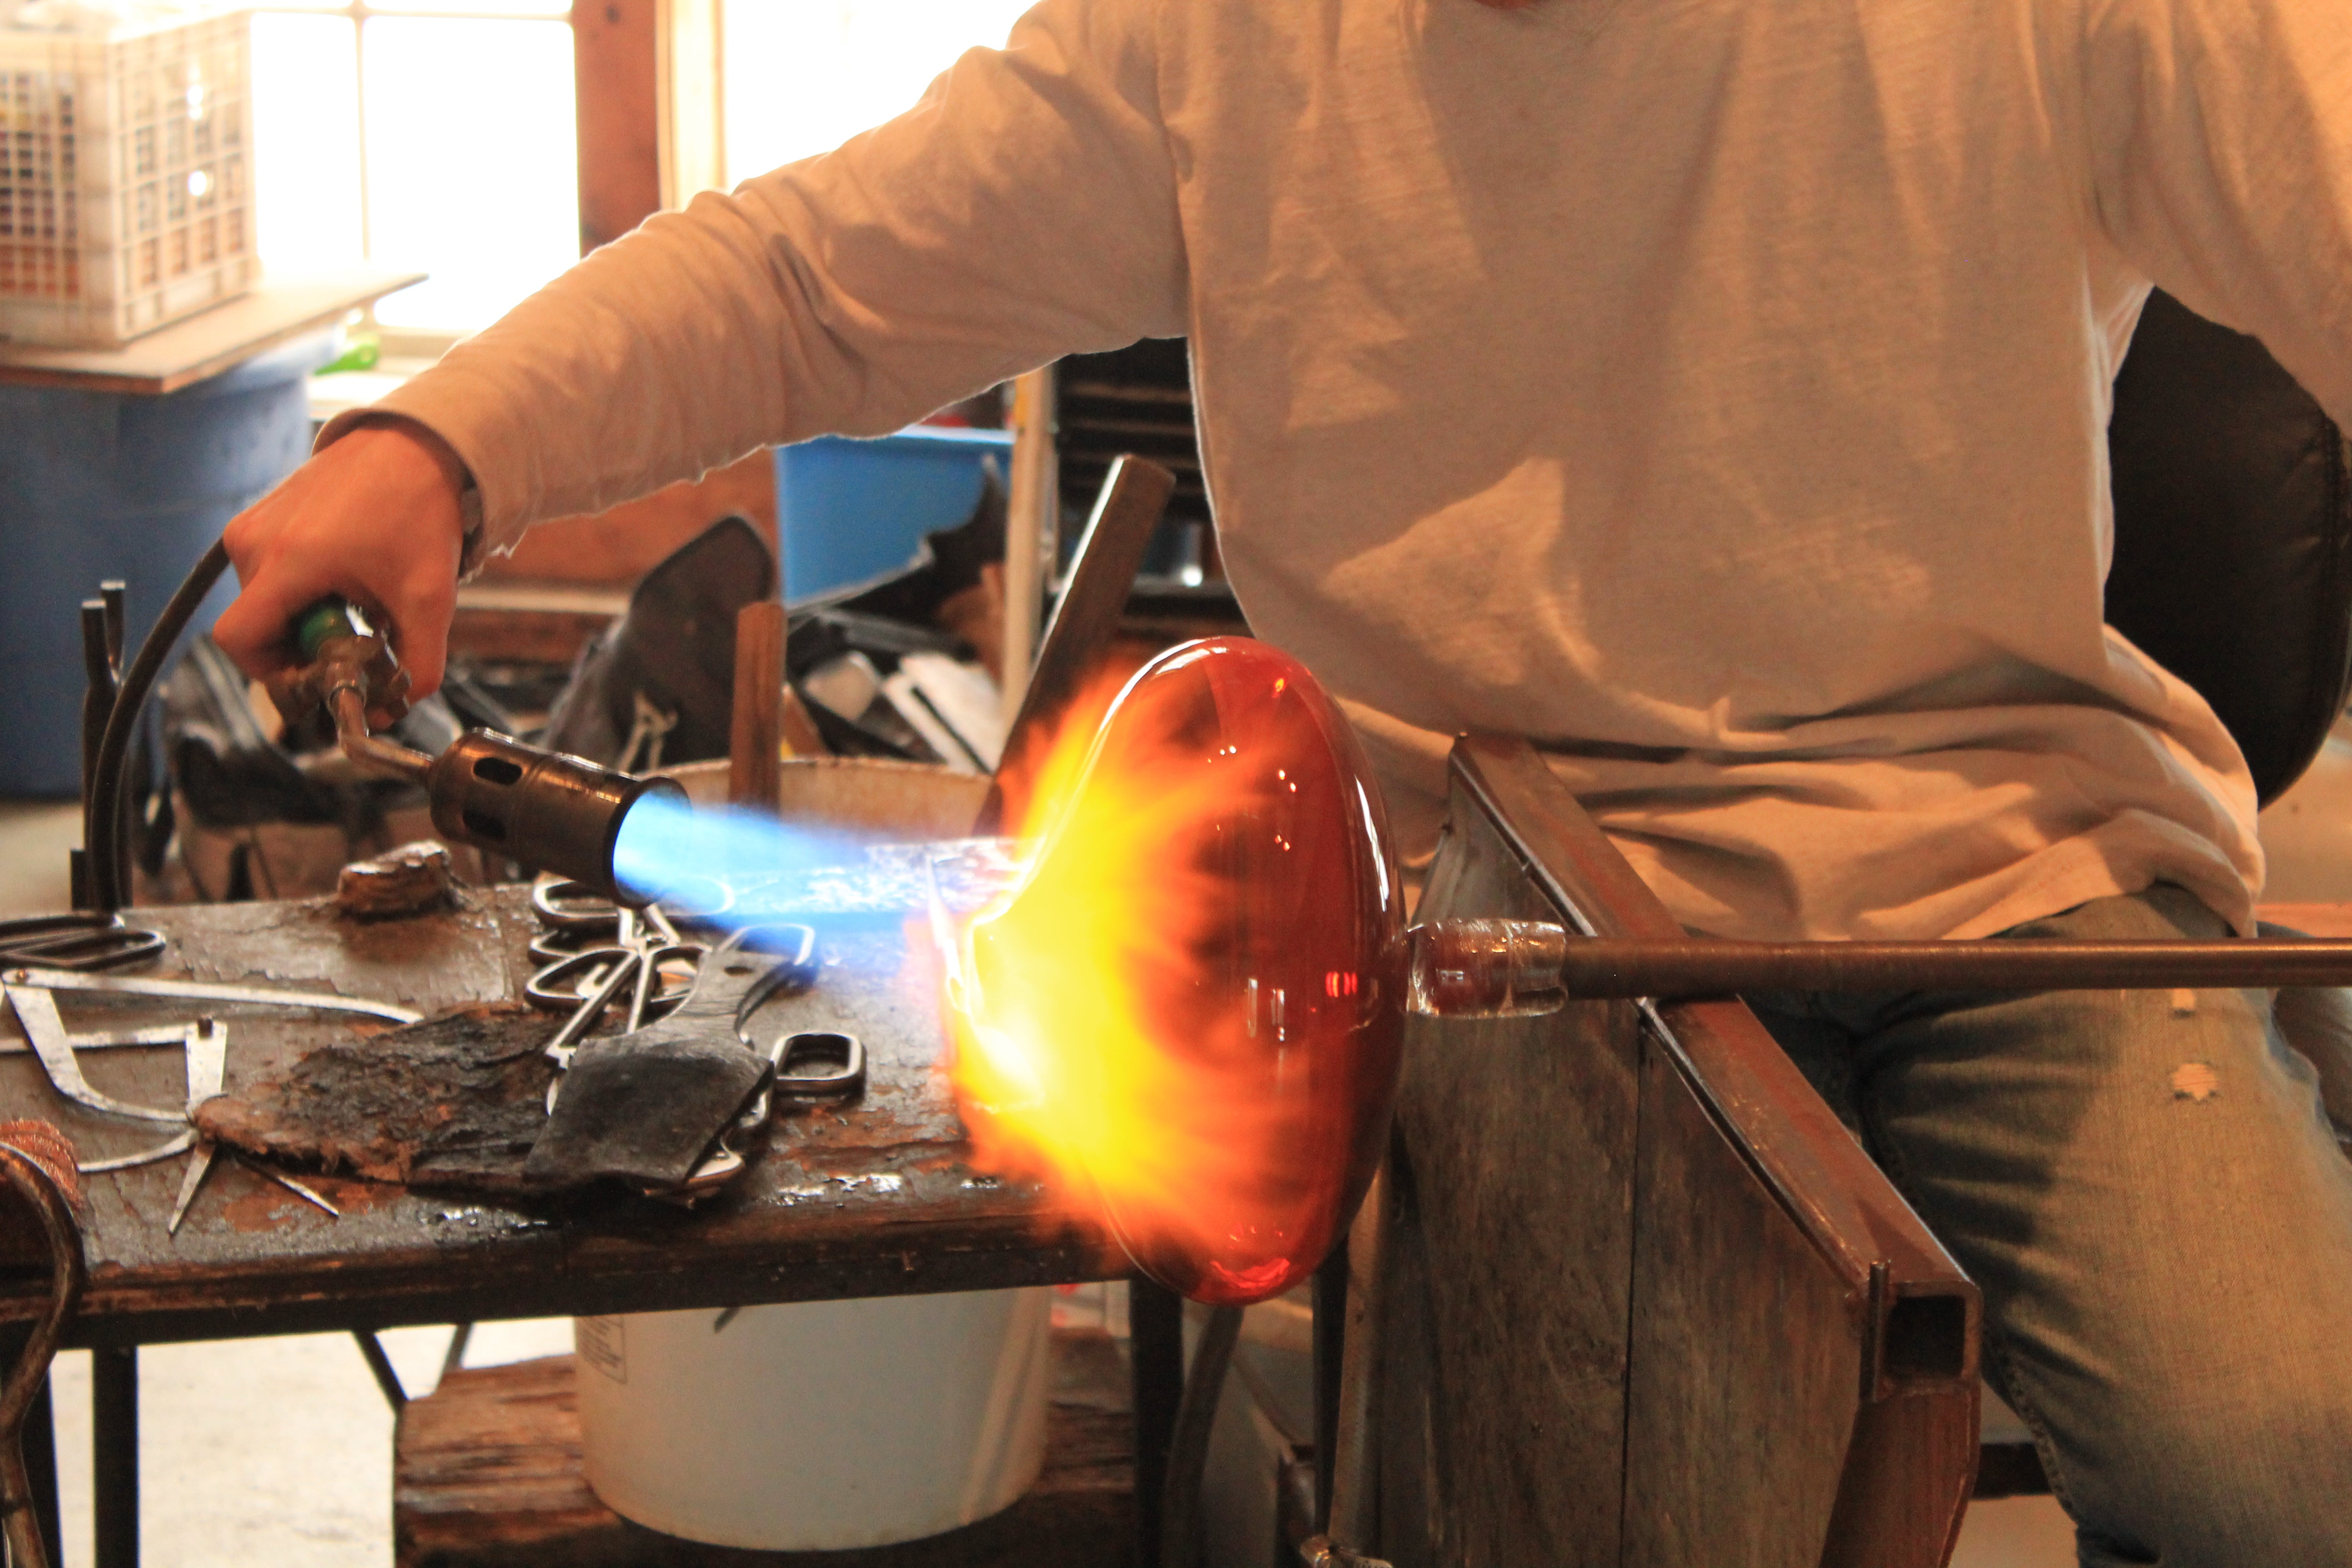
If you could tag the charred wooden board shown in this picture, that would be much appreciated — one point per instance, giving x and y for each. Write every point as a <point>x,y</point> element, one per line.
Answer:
<point>454,1104</point>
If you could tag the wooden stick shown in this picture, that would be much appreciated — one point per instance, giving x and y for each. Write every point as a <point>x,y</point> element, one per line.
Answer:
<point>1134,495</point>
<point>1029,511</point>
<point>755,744</point>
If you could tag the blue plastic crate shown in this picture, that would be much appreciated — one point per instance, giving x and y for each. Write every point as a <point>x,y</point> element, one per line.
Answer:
<point>99,485</point>
<point>851,511</point>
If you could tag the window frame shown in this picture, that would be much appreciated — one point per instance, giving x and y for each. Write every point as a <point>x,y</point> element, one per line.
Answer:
<point>404,342</point>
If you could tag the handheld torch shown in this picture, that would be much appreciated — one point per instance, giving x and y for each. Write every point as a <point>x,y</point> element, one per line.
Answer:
<point>547,810</point>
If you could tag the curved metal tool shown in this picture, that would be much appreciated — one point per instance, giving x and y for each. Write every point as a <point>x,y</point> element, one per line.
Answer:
<point>160,1152</point>
<point>208,1069</point>
<point>726,1161</point>
<point>648,997</point>
<point>52,979</point>
<point>27,991</point>
<point>45,1031</point>
<point>82,941</point>
<point>562,985</point>
<point>29,1175</point>
<point>561,904</point>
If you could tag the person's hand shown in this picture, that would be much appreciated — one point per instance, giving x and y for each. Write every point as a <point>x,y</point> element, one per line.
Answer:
<point>374,518</point>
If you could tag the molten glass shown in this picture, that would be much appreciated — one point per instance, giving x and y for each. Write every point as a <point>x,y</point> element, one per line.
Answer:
<point>1191,1004</point>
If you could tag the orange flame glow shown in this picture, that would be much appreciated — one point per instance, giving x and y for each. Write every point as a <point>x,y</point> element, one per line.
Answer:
<point>1184,1014</point>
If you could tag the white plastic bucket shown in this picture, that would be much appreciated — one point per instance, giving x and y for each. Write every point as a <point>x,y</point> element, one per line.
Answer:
<point>819,1425</point>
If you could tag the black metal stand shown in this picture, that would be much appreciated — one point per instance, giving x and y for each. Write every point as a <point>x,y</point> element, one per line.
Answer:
<point>101,651</point>
<point>1155,1325</point>
<point>387,1377</point>
<point>114,1455</point>
<point>1328,1295</point>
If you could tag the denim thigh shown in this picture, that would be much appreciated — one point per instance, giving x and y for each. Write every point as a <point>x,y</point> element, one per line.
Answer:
<point>2149,1193</point>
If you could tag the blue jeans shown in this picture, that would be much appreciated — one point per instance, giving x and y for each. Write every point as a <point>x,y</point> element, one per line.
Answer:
<point>2148,1190</point>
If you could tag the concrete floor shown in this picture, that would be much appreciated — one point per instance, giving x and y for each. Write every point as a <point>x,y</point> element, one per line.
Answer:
<point>267,1453</point>
<point>277,1453</point>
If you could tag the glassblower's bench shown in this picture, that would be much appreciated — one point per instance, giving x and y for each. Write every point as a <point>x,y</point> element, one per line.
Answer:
<point>1640,1298</point>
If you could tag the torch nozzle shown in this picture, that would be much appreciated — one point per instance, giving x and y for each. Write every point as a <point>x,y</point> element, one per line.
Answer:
<point>540,808</point>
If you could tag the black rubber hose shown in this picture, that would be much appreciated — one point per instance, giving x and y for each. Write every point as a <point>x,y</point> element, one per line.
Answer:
<point>1180,1541</point>
<point>110,860</point>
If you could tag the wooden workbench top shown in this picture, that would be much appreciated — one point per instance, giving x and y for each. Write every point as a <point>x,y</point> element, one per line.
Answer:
<point>874,1198</point>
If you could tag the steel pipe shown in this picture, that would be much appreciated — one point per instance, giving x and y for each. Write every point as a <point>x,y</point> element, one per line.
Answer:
<point>1488,968</point>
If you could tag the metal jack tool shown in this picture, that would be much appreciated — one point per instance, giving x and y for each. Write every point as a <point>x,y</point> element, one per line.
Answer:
<point>44,1032</point>
<point>208,1069</point>
<point>29,993</point>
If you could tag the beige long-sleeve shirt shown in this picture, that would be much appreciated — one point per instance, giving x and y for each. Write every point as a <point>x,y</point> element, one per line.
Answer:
<point>1712,391</point>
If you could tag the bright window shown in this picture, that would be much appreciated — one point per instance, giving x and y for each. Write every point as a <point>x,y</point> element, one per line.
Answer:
<point>431,133</point>
<point>805,75</point>
<point>439,133</point>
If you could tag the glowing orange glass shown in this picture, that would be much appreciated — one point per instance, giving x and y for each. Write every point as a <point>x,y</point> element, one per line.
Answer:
<point>1189,1005</point>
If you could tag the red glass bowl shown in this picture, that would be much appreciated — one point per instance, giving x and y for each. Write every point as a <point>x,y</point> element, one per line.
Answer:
<point>1277,1016</point>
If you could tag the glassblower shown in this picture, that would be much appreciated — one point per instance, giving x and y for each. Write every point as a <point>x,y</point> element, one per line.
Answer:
<point>1190,1001</point>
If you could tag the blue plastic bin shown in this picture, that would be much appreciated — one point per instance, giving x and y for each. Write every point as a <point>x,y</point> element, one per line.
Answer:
<point>99,485</point>
<point>851,511</point>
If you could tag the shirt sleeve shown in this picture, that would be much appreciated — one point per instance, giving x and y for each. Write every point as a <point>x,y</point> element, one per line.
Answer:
<point>2221,136</point>
<point>1025,208</point>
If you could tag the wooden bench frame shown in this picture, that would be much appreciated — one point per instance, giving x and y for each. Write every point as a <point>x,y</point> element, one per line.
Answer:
<point>1642,1300</point>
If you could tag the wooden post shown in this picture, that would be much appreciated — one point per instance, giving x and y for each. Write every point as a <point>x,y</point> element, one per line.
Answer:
<point>755,747</point>
<point>1085,618</point>
<point>1029,530</point>
<point>618,115</point>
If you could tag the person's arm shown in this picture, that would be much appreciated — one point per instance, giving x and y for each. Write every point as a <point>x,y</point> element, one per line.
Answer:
<point>2220,142</point>
<point>1024,209</point>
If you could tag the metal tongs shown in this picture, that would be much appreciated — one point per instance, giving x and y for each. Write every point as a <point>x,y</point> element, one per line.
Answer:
<point>672,1108</point>
<point>645,954</point>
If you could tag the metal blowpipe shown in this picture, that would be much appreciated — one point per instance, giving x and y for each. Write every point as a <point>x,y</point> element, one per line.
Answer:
<point>1498,968</point>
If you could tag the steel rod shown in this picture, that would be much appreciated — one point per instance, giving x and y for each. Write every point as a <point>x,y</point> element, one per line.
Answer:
<point>1330,1295</point>
<point>1155,1326</point>
<point>114,1455</point>
<point>1615,967</point>
<point>1181,1518</point>
<point>1351,1535</point>
<point>379,1365</point>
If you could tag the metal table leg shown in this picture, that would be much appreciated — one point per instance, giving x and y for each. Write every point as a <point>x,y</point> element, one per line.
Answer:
<point>114,1455</point>
<point>1155,1323</point>
<point>1330,1295</point>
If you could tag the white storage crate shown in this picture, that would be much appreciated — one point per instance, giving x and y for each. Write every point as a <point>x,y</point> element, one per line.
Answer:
<point>126,176</point>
